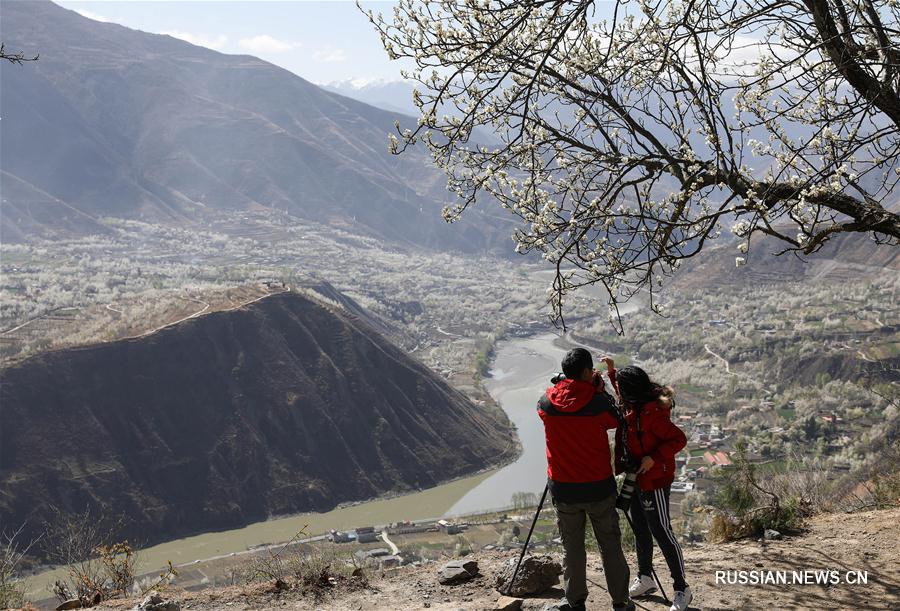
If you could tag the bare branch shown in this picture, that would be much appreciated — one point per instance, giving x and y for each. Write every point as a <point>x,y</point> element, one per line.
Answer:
<point>15,58</point>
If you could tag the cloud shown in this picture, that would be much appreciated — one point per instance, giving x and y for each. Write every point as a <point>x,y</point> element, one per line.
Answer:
<point>329,55</point>
<point>93,15</point>
<point>201,40</point>
<point>264,43</point>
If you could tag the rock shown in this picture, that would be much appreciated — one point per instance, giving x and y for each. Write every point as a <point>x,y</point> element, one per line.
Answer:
<point>155,602</point>
<point>537,574</point>
<point>457,571</point>
<point>771,535</point>
<point>73,603</point>
<point>508,603</point>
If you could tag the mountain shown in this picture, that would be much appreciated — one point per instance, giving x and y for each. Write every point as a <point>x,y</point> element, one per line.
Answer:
<point>845,256</point>
<point>26,211</point>
<point>287,404</point>
<point>112,121</point>
<point>389,95</point>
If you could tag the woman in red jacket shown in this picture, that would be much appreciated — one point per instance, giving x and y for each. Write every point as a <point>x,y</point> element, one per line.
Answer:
<point>652,440</point>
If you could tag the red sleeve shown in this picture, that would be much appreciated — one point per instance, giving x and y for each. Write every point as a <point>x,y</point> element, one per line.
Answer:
<point>672,438</point>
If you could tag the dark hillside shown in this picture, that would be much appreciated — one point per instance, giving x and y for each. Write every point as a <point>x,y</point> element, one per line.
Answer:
<point>284,405</point>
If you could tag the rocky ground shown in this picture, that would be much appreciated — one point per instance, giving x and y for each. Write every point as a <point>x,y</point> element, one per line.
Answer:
<point>840,542</point>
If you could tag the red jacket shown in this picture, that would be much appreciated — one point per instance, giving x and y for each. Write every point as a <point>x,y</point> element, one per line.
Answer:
<point>650,432</point>
<point>576,416</point>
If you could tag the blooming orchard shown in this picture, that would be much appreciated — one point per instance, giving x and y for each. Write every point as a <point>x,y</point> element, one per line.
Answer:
<point>630,133</point>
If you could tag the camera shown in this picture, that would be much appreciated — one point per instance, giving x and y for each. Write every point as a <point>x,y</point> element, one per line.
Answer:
<point>623,501</point>
<point>559,377</point>
<point>629,484</point>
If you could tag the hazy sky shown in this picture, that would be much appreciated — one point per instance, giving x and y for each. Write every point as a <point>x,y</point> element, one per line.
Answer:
<point>321,41</point>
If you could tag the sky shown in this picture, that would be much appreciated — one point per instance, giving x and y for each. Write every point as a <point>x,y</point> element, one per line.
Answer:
<point>322,41</point>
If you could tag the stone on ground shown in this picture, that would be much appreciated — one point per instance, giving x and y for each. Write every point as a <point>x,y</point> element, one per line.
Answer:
<point>155,602</point>
<point>508,603</point>
<point>536,575</point>
<point>457,571</point>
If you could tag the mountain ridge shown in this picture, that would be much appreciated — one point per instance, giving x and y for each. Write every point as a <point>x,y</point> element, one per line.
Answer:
<point>281,406</point>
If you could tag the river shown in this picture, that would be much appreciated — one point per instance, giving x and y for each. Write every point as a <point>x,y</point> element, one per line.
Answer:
<point>521,370</point>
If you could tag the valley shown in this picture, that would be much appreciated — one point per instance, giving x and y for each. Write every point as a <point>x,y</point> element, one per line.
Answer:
<point>829,322</point>
<point>244,359</point>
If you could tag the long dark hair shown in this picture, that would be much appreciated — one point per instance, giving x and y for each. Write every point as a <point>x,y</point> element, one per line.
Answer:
<point>636,388</point>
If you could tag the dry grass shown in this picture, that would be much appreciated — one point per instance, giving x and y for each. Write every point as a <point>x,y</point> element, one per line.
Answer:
<point>310,572</point>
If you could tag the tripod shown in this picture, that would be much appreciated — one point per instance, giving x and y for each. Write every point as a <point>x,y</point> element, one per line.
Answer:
<point>531,530</point>
<point>528,538</point>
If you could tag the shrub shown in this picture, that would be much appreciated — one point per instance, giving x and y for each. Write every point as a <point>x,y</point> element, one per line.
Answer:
<point>745,508</point>
<point>118,563</point>
<point>97,566</point>
<point>886,489</point>
<point>12,592</point>
<point>308,571</point>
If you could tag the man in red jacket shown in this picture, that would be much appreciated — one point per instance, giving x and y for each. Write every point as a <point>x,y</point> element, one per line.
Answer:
<point>576,413</point>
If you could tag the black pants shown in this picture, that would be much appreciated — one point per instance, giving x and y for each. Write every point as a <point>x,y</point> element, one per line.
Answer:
<point>650,515</point>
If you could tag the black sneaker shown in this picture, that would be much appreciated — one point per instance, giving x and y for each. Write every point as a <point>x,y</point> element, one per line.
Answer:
<point>629,606</point>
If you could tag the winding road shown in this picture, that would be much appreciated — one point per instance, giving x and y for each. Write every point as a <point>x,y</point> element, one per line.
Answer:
<point>728,365</point>
<point>384,537</point>
<point>862,354</point>
<point>205,307</point>
<point>721,358</point>
<point>180,320</point>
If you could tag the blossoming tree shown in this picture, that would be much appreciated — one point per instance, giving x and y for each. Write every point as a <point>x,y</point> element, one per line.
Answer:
<point>630,133</point>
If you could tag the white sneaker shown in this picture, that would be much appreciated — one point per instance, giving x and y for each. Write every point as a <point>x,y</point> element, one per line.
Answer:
<point>682,600</point>
<point>641,586</point>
